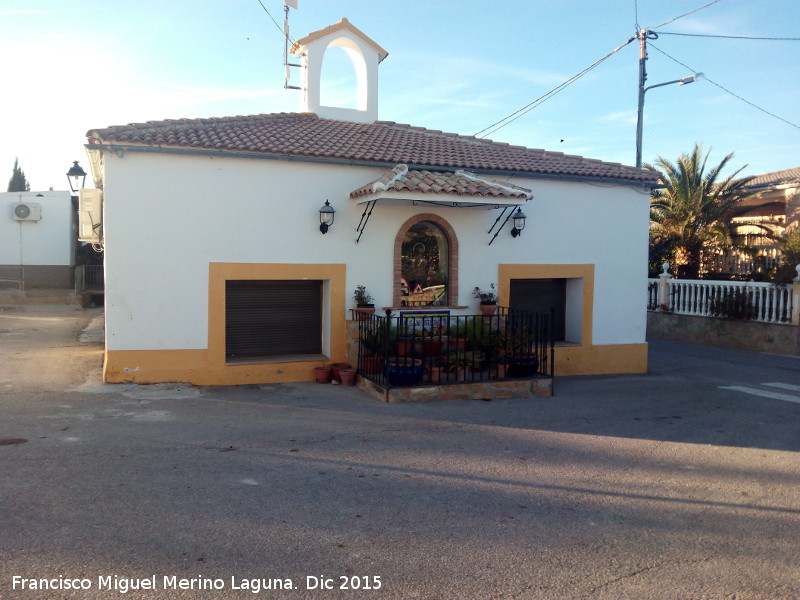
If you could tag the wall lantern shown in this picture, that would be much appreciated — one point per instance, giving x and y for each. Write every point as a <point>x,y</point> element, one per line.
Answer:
<point>326,214</point>
<point>76,177</point>
<point>519,222</point>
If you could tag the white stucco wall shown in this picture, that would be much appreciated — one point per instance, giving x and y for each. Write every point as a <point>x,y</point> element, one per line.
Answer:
<point>193,211</point>
<point>44,242</point>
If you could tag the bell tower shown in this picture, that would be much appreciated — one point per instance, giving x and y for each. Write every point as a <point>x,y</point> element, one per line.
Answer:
<point>365,55</point>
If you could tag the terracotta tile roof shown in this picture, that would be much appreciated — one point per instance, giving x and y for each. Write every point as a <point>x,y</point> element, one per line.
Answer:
<point>787,176</point>
<point>460,183</point>
<point>305,135</point>
<point>299,46</point>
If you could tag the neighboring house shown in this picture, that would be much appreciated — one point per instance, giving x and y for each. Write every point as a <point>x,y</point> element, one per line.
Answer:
<point>773,211</point>
<point>776,206</point>
<point>37,240</point>
<point>211,223</point>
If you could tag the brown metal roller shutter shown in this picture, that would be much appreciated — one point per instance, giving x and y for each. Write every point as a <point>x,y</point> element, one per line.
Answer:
<point>540,295</point>
<point>272,318</point>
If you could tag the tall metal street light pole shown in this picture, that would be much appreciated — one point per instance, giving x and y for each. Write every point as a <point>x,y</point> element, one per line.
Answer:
<point>643,36</point>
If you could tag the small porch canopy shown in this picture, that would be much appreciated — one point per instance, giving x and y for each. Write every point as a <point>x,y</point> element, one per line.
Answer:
<point>458,189</point>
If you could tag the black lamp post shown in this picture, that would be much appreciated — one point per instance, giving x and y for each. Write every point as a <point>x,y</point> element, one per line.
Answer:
<point>519,222</point>
<point>326,214</point>
<point>76,177</point>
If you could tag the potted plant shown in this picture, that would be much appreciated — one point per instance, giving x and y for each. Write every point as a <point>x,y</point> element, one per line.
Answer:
<point>523,361</point>
<point>364,303</point>
<point>457,364</point>
<point>474,360</point>
<point>432,341</point>
<point>403,371</point>
<point>501,366</point>
<point>488,299</point>
<point>458,333</point>
<point>435,370</point>
<point>406,338</point>
<point>373,346</point>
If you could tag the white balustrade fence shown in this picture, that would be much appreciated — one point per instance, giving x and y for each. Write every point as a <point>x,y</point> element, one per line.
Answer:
<point>762,302</point>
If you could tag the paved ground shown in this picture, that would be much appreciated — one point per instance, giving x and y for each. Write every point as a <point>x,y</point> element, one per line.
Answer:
<point>663,486</point>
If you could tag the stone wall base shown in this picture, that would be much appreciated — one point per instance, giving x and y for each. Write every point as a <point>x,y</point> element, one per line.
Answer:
<point>741,335</point>
<point>483,390</point>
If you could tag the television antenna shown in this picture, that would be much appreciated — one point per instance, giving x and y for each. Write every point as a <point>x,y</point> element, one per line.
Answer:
<point>286,64</point>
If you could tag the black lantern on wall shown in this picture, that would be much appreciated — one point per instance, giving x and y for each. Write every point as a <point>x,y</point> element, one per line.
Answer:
<point>326,214</point>
<point>519,222</point>
<point>76,177</point>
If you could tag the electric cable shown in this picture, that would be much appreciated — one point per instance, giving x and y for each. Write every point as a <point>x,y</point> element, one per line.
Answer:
<point>274,21</point>
<point>731,37</point>
<point>544,97</point>
<point>686,14</point>
<point>724,88</point>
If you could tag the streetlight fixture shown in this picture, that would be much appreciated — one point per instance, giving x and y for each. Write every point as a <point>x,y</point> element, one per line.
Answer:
<point>76,177</point>
<point>643,37</point>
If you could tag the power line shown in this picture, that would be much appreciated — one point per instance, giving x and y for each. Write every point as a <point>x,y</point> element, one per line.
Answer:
<point>686,14</point>
<point>731,37</point>
<point>544,97</point>
<point>273,20</point>
<point>725,89</point>
<point>270,16</point>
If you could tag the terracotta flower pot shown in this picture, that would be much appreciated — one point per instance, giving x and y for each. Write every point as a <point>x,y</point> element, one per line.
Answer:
<point>365,311</point>
<point>337,368</point>
<point>458,343</point>
<point>322,374</point>
<point>371,364</point>
<point>487,310</point>
<point>348,376</point>
<point>431,346</point>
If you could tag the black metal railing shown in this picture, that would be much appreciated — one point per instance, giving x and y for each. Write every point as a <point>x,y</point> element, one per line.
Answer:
<point>430,348</point>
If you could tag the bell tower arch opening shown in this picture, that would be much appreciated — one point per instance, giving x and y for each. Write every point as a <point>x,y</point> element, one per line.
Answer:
<point>361,104</point>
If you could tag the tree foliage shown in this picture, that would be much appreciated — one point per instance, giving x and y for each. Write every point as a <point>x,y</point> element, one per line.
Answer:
<point>790,257</point>
<point>694,210</point>
<point>18,182</point>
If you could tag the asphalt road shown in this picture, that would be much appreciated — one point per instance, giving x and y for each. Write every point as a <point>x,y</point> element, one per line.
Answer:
<point>684,483</point>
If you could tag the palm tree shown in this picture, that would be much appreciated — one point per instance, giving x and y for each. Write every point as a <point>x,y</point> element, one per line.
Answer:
<point>694,210</point>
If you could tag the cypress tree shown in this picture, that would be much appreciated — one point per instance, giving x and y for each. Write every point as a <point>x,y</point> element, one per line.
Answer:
<point>18,182</point>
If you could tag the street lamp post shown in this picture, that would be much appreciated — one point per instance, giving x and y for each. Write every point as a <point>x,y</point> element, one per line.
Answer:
<point>644,35</point>
<point>76,177</point>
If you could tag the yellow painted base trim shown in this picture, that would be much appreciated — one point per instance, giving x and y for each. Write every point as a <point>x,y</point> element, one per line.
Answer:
<point>208,366</point>
<point>601,360</point>
<point>194,366</point>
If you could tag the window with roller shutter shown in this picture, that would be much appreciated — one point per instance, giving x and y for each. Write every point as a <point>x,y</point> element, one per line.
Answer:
<point>272,318</point>
<point>540,295</point>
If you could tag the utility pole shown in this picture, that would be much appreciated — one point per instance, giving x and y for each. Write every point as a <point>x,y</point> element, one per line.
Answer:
<point>642,35</point>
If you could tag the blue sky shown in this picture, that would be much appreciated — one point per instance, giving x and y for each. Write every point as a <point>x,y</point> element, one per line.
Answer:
<point>455,66</point>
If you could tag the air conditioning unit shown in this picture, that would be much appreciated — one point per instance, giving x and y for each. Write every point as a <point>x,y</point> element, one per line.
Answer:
<point>90,216</point>
<point>28,211</point>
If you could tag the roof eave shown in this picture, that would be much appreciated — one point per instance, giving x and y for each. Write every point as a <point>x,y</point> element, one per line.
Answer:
<point>129,147</point>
